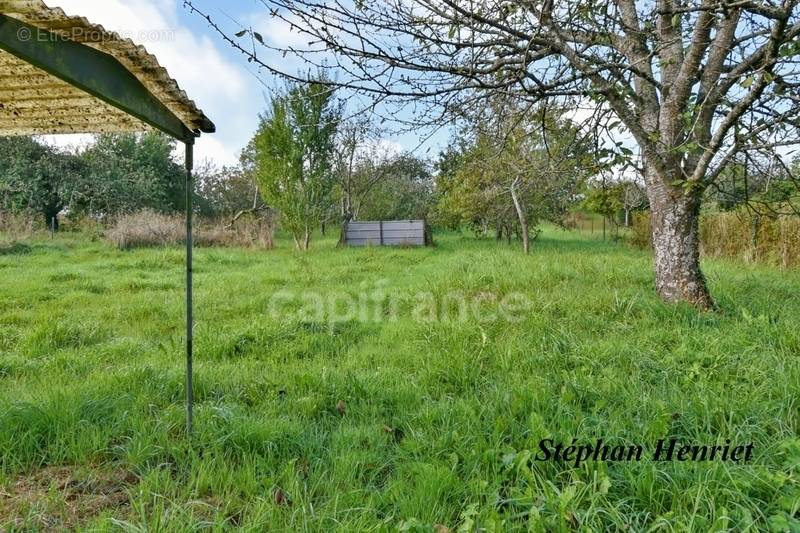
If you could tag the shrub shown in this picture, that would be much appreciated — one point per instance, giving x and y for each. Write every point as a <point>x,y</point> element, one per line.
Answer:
<point>248,230</point>
<point>84,224</point>
<point>639,234</point>
<point>16,227</point>
<point>148,228</point>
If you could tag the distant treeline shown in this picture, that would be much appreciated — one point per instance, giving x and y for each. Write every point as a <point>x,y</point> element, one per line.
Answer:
<point>119,174</point>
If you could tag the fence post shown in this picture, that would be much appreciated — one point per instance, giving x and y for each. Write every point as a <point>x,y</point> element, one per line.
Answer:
<point>380,228</point>
<point>189,163</point>
<point>343,236</point>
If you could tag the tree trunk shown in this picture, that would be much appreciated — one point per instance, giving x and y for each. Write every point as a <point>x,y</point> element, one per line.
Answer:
<point>676,245</point>
<point>523,218</point>
<point>627,217</point>
<point>302,239</point>
<point>343,232</point>
<point>756,225</point>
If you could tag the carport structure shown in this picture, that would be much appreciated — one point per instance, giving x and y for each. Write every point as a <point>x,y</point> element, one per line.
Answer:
<point>63,74</point>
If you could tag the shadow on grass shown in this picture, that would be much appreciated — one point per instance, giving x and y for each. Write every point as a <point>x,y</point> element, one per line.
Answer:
<point>14,248</point>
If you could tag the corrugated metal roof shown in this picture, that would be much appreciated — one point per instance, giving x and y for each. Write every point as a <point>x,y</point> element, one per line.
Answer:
<point>33,101</point>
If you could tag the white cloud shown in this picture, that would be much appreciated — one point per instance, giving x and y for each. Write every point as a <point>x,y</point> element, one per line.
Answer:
<point>384,146</point>
<point>209,147</point>
<point>222,89</point>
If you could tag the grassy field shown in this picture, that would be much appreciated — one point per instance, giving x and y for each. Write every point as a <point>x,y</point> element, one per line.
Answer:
<point>405,415</point>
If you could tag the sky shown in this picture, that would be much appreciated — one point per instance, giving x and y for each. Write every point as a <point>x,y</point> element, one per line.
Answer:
<point>229,90</point>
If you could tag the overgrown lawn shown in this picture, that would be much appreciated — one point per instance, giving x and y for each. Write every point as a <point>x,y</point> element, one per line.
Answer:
<point>405,416</point>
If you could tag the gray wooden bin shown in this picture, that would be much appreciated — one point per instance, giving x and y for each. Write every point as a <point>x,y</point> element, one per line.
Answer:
<point>386,233</point>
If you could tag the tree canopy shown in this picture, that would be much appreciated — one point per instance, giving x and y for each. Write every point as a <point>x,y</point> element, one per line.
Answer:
<point>127,172</point>
<point>37,177</point>
<point>510,169</point>
<point>293,163</point>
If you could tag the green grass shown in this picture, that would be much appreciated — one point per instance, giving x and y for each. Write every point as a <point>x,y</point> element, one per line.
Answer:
<point>440,417</point>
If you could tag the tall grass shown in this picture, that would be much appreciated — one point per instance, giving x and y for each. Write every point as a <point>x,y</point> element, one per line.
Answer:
<point>149,228</point>
<point>15,229</point>
<point>740,235</point>
<point>752,238</point>
<point>389,424</point>
<point>16,226</point>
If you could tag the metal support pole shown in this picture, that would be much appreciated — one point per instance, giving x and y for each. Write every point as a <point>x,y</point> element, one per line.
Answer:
<point>189,319</point>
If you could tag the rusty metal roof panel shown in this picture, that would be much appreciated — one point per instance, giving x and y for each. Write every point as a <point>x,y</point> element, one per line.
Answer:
<point>32,101</point>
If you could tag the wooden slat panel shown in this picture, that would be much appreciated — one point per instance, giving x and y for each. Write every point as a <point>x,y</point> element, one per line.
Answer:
<point>402,231</point>
<point>404,224</point>
<point>363,234</point>
<point>364,241</point>
<point>409,221</point>
<point>413,241</point>
<point>363,227</point>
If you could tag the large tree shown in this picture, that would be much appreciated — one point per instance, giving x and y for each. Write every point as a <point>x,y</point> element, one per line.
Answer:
<point>516,167</point>
<point>293,155</point>
<point>37,177</point>
<point>678,75</point>
<point>116,173</point>
<point>126,172</point>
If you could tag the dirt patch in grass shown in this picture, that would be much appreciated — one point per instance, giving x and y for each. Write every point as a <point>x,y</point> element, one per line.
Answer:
<point>59,498</point>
